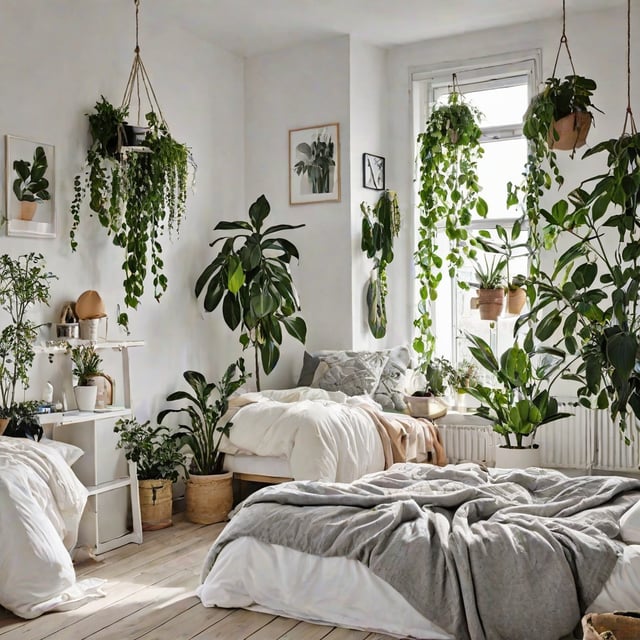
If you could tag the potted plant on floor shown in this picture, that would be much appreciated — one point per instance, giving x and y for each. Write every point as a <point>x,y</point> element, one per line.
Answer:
<point>24,282</point>
<point>86,367</point>
<point>520,402</point>
<point>428,400</point>
<point>30,187</point>
<point>158,456</point>
<point>490,283</point>
<point>250,276</point>
<point>209,492</point>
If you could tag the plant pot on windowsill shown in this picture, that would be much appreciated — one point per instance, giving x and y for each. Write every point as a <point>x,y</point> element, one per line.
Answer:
<point>490,303</point>
<point>430,407</point>
<point>516,299</point>
<point>570,131</point>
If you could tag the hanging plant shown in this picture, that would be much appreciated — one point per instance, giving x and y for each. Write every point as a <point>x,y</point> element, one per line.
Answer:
<point>137,181</point>
<point>449,150</point>
<point>592,295</point>
<point>380,225</point>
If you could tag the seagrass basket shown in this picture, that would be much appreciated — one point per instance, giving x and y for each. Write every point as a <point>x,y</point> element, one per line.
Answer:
<point>620,625</point>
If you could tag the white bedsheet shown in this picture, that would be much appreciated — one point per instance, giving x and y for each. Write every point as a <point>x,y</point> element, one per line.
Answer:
<point>41,502</point>
<point>324,436</point>
<point>339,591</point>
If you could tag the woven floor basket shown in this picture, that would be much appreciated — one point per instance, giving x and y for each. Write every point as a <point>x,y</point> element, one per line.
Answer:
<point>156,502</point>
<point>621,625</point>
<point>209,498</point>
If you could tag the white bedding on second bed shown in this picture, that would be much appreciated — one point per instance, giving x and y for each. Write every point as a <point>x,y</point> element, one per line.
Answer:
<point>282,581</point>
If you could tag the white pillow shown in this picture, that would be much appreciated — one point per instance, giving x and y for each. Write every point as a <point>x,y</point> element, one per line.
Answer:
<point>630,525</point>
<point>69,452</point>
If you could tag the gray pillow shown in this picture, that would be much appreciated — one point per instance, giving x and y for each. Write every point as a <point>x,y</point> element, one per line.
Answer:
<point>391,388</point>
<point>352,372</point>
<point>309,365</point>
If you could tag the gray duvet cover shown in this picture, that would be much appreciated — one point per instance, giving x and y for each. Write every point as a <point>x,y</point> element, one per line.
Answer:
<point>510,557</point>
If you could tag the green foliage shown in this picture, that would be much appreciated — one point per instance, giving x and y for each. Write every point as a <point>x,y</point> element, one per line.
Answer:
<point>136,196</point>
<point>449,151</point>
<point>86,362</point>
<point>24,281</point>
<point>380,225</point>
<point>157,454</point>
<point>437,373</point>
<point>490,275</point>
<point>465,375</point>
<point>521,402</point>
<point>250,277</point>
<point>203,433</point>
<point>506,245</point>
<point>31,185</point>
<point>24,421</point>
<point>590,299</point>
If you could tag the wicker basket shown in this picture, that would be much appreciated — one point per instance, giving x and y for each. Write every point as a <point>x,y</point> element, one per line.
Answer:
<point>430,407</point>
<point>209,499</point>
<point>156,502</point>
<point>621,625</point>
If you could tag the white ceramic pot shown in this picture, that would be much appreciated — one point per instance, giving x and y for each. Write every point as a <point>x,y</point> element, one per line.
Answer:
<point>86,397</point>
<point>517,458</point>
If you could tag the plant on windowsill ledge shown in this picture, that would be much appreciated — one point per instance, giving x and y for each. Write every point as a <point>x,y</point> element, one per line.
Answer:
<point>380,225</point>
<point>490,283</point>
<point>448,151</point>
<point>427,402</point>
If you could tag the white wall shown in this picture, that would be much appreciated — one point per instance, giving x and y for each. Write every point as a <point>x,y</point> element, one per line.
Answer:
<point>56,59</point>
<point>598,45</point>
<point>290,89</point>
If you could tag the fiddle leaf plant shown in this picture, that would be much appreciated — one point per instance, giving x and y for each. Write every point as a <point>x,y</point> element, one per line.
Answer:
<point>380,225</point>
<point>448,151</point>
<point>31,184</point>
<point>590,300</point>
<point>250,277</point>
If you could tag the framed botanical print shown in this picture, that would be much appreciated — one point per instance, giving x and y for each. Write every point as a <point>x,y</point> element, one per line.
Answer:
<point>373,172</point>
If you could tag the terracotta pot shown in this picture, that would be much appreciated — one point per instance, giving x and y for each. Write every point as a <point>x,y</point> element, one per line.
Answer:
<point>27,210</point>
<point>490,303</point>
<point>515,301</point>
<point>156,504</point>
<point>572,131</point>
<point>517,458</point>
<point>209,499</point>
<point>3,424</point>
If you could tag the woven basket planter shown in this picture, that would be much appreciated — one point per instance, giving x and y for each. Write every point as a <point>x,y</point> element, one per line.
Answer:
<point>572,131</point>
<point>209,499</point>
<point>623,625</point>
<point>156,503</point>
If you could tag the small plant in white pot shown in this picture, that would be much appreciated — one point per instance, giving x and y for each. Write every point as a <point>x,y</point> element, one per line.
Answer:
<point>158,456</point>
<point>86,366</point>
<point>209,491</point>
<point>520,402</point>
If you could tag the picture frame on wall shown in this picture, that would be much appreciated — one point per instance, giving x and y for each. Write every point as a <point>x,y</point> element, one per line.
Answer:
<point>314,164</point>
<point>30,188</point>
<point>373,172</point>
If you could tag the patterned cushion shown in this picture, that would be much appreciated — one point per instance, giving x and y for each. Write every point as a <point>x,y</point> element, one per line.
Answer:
<point>352,372</point>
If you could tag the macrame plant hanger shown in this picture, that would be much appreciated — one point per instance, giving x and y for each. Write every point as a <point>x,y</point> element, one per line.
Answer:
<point>563,42</point>
<point>139,82</point>
<point>628,116</point>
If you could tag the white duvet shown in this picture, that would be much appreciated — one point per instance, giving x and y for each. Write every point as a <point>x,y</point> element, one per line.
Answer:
<point>41,502</point>
<point>324,435</point>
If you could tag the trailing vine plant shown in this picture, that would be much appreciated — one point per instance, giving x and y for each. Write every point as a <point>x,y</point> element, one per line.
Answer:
<point>380,225</point>
<point>448,150</point>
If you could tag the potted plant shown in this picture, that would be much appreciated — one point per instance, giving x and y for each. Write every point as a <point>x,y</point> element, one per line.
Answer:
<point>427,401</point>
<point>158,455</point>
<point>86,367</point>
<point>250,276</point>
<point>24,282</point>
<point>209,492</point>
<point>448,153</point>
<point>462,378</point>
<point>30,187</point>
<point>23,422</point>
<point>490,283</point>
<point>380,225</point>
<point>520,402</point>
<point>137,195</point>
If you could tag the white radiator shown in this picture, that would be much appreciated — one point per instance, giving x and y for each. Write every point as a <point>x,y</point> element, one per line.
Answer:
<point>587,440</point>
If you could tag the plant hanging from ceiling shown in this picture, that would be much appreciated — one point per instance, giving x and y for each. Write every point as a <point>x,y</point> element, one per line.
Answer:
<point>596,305</point>
<point>137,179</point>
<point>448,151</point>
<point>380,225</point>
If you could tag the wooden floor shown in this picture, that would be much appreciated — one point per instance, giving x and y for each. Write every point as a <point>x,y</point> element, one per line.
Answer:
<point>150,595</point>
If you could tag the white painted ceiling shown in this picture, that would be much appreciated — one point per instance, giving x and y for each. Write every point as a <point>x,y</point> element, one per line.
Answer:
<point>250,27</point>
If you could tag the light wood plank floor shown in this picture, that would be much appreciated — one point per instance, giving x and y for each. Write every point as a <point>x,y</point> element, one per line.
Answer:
<point>150,596</point>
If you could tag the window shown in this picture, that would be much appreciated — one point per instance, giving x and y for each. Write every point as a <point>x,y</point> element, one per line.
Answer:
<point>501,91</point>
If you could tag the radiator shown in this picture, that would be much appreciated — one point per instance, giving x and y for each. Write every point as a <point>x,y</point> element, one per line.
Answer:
<point>586,440</point>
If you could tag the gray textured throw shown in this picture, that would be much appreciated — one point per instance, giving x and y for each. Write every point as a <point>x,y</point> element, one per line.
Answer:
<point>511,557</point>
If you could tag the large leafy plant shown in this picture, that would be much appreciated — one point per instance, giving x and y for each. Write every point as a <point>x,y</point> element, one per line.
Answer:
<point>24,282</point>
<point>207,403</point>
<point>250,277</point>
<point>380,225</point>
<point>448,152</point>
<point>520,401</point>
<point>137,195</point>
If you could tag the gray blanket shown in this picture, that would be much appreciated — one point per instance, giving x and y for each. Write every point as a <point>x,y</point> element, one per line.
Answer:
<point>515,556</point>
